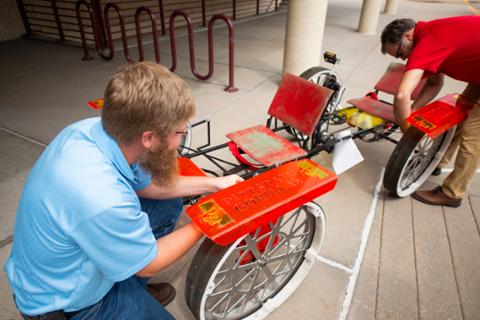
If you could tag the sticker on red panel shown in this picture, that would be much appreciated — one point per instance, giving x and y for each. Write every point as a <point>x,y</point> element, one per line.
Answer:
<point>214,215</point>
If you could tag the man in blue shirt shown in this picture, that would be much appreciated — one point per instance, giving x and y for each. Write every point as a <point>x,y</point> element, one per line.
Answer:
<point>96,216</point>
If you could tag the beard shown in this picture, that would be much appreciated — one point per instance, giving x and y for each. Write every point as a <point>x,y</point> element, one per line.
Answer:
<point>162,164</point>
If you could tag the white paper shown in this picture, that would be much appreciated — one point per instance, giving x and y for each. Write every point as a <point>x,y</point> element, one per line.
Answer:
<point>345,153</point>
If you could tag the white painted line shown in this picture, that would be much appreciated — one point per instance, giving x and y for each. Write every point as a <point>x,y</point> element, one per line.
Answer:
<point>334,264</point>
<point>23,137</point>
<point>448,170</point>
<point>361,252</point>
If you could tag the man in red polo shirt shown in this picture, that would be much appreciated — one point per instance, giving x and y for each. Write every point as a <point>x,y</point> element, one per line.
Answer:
<point>451,47</point>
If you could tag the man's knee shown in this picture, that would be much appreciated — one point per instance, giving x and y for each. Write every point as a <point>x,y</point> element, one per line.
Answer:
<point>175,208</point>
<point>470,146</point>
<point>167,207</point>
<point>129,299</point>
<point>162,214</point>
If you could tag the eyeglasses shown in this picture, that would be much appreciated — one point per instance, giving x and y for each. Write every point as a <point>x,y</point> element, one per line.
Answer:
<point>182,133</point>
<point>399,50</point>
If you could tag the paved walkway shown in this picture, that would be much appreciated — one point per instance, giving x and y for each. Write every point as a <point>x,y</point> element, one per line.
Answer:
<point>419,262</point>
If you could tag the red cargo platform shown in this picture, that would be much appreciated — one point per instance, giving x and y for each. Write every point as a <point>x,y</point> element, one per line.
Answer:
<point>233,212</point>
<point>440,115</point>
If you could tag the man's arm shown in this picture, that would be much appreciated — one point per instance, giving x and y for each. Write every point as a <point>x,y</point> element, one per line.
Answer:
<point>401,103</point>
<point>432,87</point>
<point>409,82</point>
<point>188,186</point>
<point>171,248</point>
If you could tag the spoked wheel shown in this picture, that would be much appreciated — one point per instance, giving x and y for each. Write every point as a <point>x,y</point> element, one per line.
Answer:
<point>413,160</point>
<point>186,142</point>
<point>249,278</point>
<point>322,77</point>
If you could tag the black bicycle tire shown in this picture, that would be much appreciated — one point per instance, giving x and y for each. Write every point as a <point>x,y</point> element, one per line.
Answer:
<point>311,71</point>
<point>399,157</point>
<point>203,265</point>
<point>196,281</point>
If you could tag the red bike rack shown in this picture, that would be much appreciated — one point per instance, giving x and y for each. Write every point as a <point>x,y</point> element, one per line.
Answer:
<point>100,47</point>
<point>213,19</point>
<point>139,33</point>
<point>106,18</point>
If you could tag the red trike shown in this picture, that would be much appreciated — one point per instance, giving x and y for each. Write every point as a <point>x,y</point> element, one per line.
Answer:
<point>263,234</point>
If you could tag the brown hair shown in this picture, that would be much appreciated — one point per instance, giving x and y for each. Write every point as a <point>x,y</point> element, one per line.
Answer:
<point>145,96</point>
<point>395,30</point>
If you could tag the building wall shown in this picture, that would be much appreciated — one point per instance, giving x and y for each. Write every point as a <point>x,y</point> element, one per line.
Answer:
<point>42,19</point>
<point>11,26</point>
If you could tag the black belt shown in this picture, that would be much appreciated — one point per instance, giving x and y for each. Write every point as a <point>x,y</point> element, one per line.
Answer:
<point>54,315</point>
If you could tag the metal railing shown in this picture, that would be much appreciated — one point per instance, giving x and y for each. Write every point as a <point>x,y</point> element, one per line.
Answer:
<point>86,22</point>
<point>176,13</point>
<point>153,22</point>
<point>101,50</point>
<point>58,18</point>
<point>108,31</point>
<point>86,55</point>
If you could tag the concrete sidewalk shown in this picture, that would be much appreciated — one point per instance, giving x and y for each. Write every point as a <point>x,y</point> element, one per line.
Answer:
<point>417,262</point>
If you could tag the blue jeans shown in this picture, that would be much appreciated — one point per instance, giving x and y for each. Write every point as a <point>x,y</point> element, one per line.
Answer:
<point>129,299</point>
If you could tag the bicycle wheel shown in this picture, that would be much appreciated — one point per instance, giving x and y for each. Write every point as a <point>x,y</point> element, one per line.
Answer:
<point>249,278</point>
<point>413,160</point>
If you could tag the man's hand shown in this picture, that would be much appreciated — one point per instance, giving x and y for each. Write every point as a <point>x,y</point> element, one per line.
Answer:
<point>404,125</point>
<point>409,82</point>
<point>227,181</point>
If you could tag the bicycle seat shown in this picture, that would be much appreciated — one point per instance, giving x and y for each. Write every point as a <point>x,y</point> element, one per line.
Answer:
<point>299,104</point>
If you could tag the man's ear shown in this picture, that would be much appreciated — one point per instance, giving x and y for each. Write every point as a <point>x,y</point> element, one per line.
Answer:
<point>147,139</point>
<point>409,34</point>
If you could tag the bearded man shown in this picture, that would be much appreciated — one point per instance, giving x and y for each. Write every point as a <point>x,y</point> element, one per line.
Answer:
<point>98,210</point>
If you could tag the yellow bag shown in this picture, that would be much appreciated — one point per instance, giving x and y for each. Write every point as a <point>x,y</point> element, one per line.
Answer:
<point>357,118</point>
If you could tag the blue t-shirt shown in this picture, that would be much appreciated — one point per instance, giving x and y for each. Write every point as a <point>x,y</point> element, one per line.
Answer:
<point>79,226</point>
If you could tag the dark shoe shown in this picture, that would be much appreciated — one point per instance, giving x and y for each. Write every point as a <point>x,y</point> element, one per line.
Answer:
<point>436,197</point>
<point>437,171</point>
<point>164,293</point>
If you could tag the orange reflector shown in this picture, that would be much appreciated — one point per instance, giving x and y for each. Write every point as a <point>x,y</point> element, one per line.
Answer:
<point>226,215</point>
<point>96,104</point>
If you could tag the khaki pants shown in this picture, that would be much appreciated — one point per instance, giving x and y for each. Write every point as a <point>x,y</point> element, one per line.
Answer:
<point>467,141</point>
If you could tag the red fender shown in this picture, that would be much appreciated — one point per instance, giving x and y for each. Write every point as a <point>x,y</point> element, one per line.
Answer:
<point>440,115</point>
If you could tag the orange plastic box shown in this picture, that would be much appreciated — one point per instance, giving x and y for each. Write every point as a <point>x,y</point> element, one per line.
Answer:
<point>440,115</point>
<point>226,215</point>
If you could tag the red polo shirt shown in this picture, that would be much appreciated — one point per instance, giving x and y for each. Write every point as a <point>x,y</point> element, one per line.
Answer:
<point>450,46</point>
